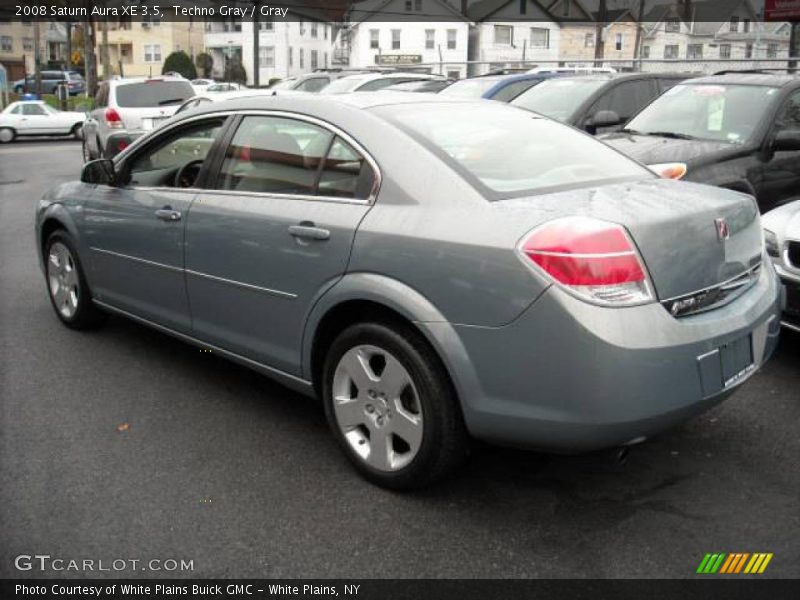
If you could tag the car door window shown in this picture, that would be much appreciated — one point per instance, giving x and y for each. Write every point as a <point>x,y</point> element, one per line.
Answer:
<point>30,110</point>
<point>274,155</point>
<point>789,116</point>
<point>17,110</point>
<point>175,153</point>
<point>626,99</point>
<point>346,173</point>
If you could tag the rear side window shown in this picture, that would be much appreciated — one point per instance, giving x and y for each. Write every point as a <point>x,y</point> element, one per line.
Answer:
<point>153,93</point>
<point>507,153</point>
<point>627,98</point>
<point>314,84</point>
<point>285,156</point>
<point>512,90</point>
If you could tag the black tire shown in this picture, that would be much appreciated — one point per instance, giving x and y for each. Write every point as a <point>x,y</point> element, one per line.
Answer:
<point>445,441</point>
<point>86,315</point>
<point>4,135</point>
<point>77,131</point>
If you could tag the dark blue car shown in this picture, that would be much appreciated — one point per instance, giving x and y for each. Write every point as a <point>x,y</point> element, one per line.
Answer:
<point>502,87</point>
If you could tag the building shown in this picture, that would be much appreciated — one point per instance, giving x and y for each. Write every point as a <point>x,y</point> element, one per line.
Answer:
<point>139,48</point>
<point>17,46</point>
<point>715,30</point>
<point>416,34</point>
<point>298,44</point>
<point>507,31</point>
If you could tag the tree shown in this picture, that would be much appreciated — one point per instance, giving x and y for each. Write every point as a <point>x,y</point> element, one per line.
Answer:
<point>205,63</point>
<point>180,63</point>
<point>234,71</point>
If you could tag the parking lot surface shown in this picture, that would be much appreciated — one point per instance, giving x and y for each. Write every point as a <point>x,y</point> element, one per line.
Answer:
<point>127,444</point>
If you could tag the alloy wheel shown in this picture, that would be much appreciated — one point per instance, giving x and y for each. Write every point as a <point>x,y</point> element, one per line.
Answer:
<point>377,408</point>
<point>62,279</point>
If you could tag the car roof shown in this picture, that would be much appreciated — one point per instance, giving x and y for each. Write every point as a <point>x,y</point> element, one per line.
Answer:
<point>127,80</point>
<point>373,76</point>
<point>768,79</point>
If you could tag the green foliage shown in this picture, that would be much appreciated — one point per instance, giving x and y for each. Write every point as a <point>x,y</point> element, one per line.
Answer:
<point>234,71</point>
<point>180,63</point>
<point>205,63</point>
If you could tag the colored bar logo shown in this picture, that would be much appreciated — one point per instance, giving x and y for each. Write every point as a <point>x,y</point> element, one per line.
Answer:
<point>734,563</point>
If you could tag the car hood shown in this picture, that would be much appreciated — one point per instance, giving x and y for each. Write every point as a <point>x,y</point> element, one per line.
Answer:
<point>652,150</point>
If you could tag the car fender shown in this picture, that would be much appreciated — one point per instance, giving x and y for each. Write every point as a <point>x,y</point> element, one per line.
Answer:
<point>53,210</point>
<point>411,304</point>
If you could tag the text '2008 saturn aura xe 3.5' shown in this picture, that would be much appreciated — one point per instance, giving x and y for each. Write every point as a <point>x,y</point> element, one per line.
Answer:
<point>435,270</point>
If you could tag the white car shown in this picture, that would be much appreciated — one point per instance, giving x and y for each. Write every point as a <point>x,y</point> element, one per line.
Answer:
<point>782,240</point>
<point>225,86</point>
<point>201,85</point>
<point>35,117</point>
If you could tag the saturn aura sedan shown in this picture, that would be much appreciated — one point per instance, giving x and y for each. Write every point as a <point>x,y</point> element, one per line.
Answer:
<point>434,270</point>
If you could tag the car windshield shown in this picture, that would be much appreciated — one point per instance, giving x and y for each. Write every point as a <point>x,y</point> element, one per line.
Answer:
<point>153,93</point>
<point>469,88</point>
<point>727,113</point>
<point>286,84</point>
<point>507,153</point>
<point>343,85</point>
<point>559,98</point>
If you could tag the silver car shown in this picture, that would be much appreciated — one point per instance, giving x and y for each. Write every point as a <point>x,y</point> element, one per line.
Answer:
<point>433,269</point>
<point>782,237</point>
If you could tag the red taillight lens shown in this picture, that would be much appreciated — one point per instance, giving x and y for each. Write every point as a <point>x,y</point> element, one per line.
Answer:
<point>122,144</point>
<point>592,258</point>
<point>113,120</point>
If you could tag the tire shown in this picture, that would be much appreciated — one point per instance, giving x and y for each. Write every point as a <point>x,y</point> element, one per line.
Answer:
<point>405,430</point>
<point>7,134</point>
<point>77,131</point>
<point>66,284</point>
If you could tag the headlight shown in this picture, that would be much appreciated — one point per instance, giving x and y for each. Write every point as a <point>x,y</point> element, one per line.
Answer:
<point>669,170</point>
<point>771,243</point>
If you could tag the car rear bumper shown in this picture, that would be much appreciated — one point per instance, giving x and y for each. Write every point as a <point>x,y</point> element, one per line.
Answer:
<point>568,376</point>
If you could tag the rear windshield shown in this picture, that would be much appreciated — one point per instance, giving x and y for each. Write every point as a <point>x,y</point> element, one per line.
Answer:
<point>469,88</point>
<point>559,98</point>
<point>153,93</point>
<point>507,153</point>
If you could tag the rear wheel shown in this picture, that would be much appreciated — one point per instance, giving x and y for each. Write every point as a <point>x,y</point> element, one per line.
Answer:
<point>66,284</point>
<point>77,131</point>
<point>7,135</point>
<point>391,406</point>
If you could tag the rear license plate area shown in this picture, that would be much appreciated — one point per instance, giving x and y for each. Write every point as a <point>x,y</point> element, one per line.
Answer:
<point>149,124</point>
<point>736,360</point>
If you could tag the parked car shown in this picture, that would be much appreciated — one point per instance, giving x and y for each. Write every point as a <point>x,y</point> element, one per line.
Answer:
<point>126,108</point>
<point>782,240</point>
<point>225,86</point>
<point>599,103</point>
<point>201,85</point>
<point>371,82</point>
<point>503,88</point>
<point>577,302</point>
<point>427,86</point>
<point>50,81</point>
<point>739,131</point>
<point>311,82</point>
<point>572,70</point>
<point>37,118</point>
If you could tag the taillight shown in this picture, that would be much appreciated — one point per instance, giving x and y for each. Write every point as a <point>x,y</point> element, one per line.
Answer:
<point>122,144</point>
<point>113,120</point>
<point>594,259</point>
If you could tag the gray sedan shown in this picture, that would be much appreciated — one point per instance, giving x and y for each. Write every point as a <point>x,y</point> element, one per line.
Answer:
<point>433,269</point>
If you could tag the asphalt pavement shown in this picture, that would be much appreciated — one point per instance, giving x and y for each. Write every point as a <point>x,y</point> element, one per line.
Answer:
<point>127,444</point>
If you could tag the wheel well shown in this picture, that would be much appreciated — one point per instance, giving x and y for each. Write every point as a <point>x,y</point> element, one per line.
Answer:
<point>342,316</point>
<point>48,227</point>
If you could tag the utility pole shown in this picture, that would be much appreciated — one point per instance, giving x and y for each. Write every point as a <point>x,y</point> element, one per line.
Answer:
<point>599,43</point>
<point>794,51</point>
<point>88,51</point>
<point>68,25</point>
<point>37,58</point>
<point>256,49</point>
<point>637,48</point>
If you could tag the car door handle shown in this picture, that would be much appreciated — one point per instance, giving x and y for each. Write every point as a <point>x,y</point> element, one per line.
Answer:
<point>167,214</point>
<point>309,231</point>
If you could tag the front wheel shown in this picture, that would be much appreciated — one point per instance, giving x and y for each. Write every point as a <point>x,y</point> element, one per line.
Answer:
<point>392,407</point>
<point>7,135</point>
<point>66,284</point>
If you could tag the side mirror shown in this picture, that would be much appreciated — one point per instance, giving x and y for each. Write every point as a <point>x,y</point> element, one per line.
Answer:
<point>605,118</point>
<point>100,172</point>
<point>787,141</point>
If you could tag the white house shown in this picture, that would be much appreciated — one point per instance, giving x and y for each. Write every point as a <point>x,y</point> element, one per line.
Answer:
<point>405,33</point>
<point>512,30</point>
<point>298,44</point>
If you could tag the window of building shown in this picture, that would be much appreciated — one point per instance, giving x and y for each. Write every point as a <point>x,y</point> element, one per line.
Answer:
<point>772,50</point>
<point>152,53</point>
<point>724,50</point>
<point>266,56</point>
<point>748,50</point>
<point>588,40</point>
<point>6,43</point>
<point>618,42</point>
<point>314,59</point>
<point>302,58</point>
<point>313,29</point>
<point>451,39</point>
<point>291,56</point>
<point>430,39</point>
<point>671,51</point>
<point>374,39</point>
<point>409,5</point>
<point>27,44</point>
<point>417,5</point>
<point>266,26</point>
<point>540,37</point>
<point>565,8</point>
<point>734,24</point>
<point>746,26</point>
<point>325,59</point>
<point>672,24</point>
<point>503,35</point>
<point>300,27</point>
<point>325,30</point>
<point>645,51</point>
<point>395,39</point>
<point>694,51</point>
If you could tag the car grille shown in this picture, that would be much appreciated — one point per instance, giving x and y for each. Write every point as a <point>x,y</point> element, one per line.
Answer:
<point>713,297</point>
<point>794,255</point>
